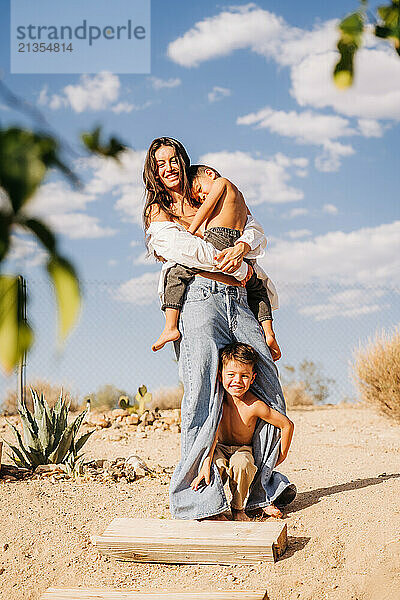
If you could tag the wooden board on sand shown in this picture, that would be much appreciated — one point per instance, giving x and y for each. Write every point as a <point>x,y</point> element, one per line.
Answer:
<point>193,542</point>
<point>112,594</point>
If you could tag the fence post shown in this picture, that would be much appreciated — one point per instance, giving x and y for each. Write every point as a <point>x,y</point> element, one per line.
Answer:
<point>21,382</point>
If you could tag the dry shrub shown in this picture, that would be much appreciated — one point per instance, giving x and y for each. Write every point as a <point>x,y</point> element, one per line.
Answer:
<point>377,373</point>
<point>50,391</point>
<point>167,397</point>
<point>296,395</point>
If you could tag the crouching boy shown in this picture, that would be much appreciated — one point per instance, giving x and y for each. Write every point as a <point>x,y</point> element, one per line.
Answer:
<point>231,450</point>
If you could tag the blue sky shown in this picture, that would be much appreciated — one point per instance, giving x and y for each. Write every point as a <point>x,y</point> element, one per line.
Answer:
<point>247,89</point>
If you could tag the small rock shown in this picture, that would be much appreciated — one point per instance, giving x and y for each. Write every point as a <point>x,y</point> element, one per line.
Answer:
<point>119,412</point>
<point>2,569</point>
<point>5,547</point>
<point>49,469</point>
<point>132,420</point>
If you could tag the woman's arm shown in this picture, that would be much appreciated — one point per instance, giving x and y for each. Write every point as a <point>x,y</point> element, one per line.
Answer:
<point>172,241</point>
<point>251,244</point>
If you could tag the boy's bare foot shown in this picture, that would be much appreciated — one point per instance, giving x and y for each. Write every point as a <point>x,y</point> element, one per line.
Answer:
<point>239,515</point>
<point>168,335</point>
<point>272,511</point>
<point>220,517</point>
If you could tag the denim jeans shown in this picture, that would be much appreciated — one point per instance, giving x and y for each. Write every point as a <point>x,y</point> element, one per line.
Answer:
<point>213,316</point>
<point>179,276</point>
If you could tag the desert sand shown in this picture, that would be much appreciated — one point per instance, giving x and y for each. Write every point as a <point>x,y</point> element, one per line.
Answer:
<point>343,527</point>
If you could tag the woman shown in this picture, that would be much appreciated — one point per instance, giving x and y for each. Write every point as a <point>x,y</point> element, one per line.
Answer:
<point>215,313</point>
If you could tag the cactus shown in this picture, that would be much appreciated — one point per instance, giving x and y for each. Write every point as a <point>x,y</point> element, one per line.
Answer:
<point>47,436</point>
<point>142,398</point>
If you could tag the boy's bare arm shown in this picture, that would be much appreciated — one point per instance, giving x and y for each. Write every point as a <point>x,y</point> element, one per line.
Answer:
<point>270,415</point>
<point>205,210</point>
<point>205,471</point>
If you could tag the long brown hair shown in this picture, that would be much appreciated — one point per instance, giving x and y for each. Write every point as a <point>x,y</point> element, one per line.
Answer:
<point>156,193</point>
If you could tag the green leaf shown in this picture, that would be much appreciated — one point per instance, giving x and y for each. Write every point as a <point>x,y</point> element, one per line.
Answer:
<point>390,27</point>
<point>5,232</point>
<point>16,335</point>
<point>67,439</point>
<point>42,232</point>
<point>351,28</point>
<point>66,287</point>
<point>82,440</point>
<point>112,149</point>
<point>18,459</point>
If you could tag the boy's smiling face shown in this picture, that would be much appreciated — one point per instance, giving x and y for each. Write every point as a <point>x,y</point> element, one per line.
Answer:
<point>237,377</point>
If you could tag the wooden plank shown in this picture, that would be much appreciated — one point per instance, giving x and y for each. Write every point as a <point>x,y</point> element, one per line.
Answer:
<point>113,594</point>
<point>193,542</point>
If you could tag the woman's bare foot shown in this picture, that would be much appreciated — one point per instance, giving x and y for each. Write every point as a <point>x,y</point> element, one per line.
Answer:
<point>239,515</point>
<point>272,511</point>
<point>220,517</point>
<point>168,335</point>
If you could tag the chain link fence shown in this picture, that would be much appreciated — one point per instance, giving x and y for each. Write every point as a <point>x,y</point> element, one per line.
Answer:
<point>111,345</point>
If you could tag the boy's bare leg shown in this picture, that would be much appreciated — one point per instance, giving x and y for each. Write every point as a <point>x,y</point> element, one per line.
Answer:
<point>239,515</point>
<point>171,332</point>
<point>270,339</point>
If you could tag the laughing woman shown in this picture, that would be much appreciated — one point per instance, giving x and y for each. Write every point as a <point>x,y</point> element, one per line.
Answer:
<point>215,313</point>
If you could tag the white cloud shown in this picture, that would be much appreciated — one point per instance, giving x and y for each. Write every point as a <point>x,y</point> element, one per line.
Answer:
<point>296,212</point>
<point>298,233</point>
<point>93,93</point>
<point>123,180</point>
<point>62,208</point>
<point>349,303</point>
<point>218,93</point>
<point>25,251</point>
<point>260,180</point>
<point>330,209</point>
<point>237,28</point>
<point>365,256</point>
<point>112,262</point>
<point>307,128</point>
<point>97,92</point>
<point>159,84</point>
<point>329,160</point>
<point>310,55</point>
<point>123,107</point>
<point>57,197</point>
<point>370,128</point>
<point>79,226</point>
<point>139,290</point>
<point>312,85</point>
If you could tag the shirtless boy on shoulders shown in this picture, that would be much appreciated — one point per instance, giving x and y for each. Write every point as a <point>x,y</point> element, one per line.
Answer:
<point>232,447</point>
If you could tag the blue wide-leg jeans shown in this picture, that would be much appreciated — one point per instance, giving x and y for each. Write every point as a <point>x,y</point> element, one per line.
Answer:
<point>213,316</point>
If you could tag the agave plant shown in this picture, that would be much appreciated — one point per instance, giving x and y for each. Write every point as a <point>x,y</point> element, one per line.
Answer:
<point>142,398</point>
<point>47,436</point>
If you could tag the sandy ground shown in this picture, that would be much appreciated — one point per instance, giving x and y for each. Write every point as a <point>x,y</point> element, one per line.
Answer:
<point>344,526</point>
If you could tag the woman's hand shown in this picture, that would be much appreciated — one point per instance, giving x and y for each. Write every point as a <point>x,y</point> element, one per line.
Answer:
<point>230,259</point>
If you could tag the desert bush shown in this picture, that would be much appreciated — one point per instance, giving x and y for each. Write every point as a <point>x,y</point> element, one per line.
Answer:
<point>305,385</point>
<point>376,370</point>
<point>296,395</point>
<point>48,438</point>
<point>106,397</point>
<point>167,397</point>
<point>50,391</point>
